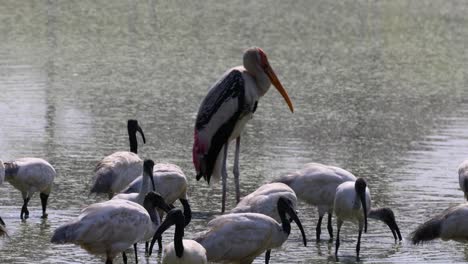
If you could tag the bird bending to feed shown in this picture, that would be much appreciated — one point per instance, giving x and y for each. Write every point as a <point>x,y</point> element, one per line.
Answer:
<point>224,112</point>
<point>353,203</point>
<point>264,200</point>
<point>449,225</point>
<point>180,251</point>
<point>240,238</point>
<point>140,196</point>
<point>114,172</point>
<point>30,175</point>
<point>316,184</point>
<point>171,184</point>
<point>463,177</point>
<point>110,227</point>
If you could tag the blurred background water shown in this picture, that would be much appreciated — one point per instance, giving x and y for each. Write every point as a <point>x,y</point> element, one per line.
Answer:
<point>379,88</point>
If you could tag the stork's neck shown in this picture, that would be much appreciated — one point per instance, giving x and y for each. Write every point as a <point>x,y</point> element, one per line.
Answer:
<point>263,82</point>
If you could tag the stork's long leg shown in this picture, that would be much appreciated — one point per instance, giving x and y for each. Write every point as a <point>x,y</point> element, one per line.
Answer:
<point>224,178</point>
<point>136,254</point>
<point>236,169</point>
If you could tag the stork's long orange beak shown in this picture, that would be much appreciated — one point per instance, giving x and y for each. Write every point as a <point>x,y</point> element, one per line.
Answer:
<point>275,81</point>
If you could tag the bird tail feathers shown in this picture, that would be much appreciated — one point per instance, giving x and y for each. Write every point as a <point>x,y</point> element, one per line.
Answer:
<point>430,230</point>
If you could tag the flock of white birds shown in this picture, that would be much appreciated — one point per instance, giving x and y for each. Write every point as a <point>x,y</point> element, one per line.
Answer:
<point>141,192</point>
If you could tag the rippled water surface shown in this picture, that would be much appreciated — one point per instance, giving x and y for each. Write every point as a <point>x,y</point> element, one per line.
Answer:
<point>379,88</point>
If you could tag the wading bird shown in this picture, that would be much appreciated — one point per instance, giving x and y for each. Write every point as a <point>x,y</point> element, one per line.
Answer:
<point>264,200</point>
<point>180,251</point>
<point>171,184</point>
<point>449,225</point>
<point>224,112</point>
<point>316,184</point>
<point>114,172</point>
<point>111,227</point>
<point>463,177</point>
<point>30,175</point>
<point>240,238</point>
<point>353,203</point>
<point>139,197</point>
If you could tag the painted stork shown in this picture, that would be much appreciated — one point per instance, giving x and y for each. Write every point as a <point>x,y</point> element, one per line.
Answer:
<point>264,200</point>
<point>114,172</point>
<point>449,225</point>
<point>463,177</point>
<point>224,112</point>
<point>30,175</point>
<point>140,196</point>
<point>110,227</point>
<point>353,203</point>
<point>180,251</point>
<point>316,184</point>
<point>240,238</point>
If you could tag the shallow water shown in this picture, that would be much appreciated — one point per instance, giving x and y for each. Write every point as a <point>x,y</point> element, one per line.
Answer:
<point>379,88</point>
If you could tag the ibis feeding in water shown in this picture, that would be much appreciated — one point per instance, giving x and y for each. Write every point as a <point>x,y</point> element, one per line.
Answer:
<point>116,171</point>
<point>109,228</point>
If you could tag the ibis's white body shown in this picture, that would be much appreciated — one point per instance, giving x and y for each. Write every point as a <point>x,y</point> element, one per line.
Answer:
<point>194,253</point>
<point>120,169</point>
<point>169,180</point>
<point>316,184</point>
<point>31,175</point>
<point>107,228</point>
<point>264,200</point>
<point>240,238</point>
<point>347,206</point>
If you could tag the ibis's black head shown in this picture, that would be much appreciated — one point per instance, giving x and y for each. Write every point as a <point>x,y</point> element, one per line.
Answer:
<point>154,199</point>
<point>285,206</point>
<point>388,217</point>
<point>133,127</point>
<point>174,217</point>
<point>360,186</point>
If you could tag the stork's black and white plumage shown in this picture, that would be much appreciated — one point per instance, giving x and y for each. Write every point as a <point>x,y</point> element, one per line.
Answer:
<point>224,112</point>
<point>116,171</point>
<point>29,175</point>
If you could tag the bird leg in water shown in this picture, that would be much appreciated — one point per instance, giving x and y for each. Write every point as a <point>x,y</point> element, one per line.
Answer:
<point>44,198</point>
<point>236,169</point>
<point>24,209</point>
<point>318,229</point>
<point>267,256</point>
<point>124,257</point>
<point>329,226</point>
<point>224,178</point>
<point>136,254</point>
<point>358,246</point>
<point>337,244</point>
